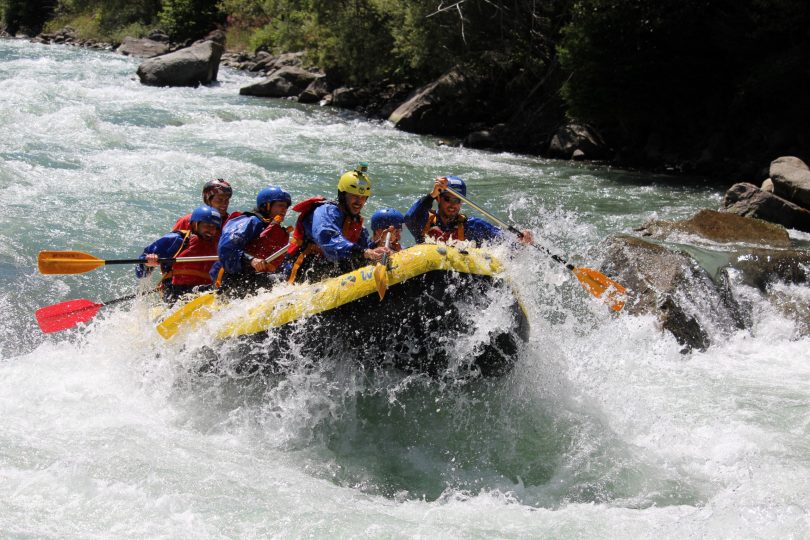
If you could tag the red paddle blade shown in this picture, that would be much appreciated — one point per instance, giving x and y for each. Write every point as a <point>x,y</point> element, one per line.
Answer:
<point>66,315</point>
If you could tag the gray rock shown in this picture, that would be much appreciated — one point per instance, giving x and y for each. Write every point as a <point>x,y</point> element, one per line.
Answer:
<point>481,139</point>
<point>767,185</point>
<point>315,92</point>
<point>345,98</point>
<point>572,137</point>
<point>144,48</point>
<point>720,227</point>
<point>432,108</point>
<point>671,285</point>
<point>191,66</point>
<point>761,268</point>
<point>791,180</point>
<point>748,200</point>
<point>285,82</point>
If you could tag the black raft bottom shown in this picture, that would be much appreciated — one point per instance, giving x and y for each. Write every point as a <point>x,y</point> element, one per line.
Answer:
<point>416,328</point>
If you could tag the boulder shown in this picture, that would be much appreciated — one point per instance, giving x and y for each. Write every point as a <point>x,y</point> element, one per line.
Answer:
<point>671,285</point>
<point>767,185</point>
<point>572,137</point>
<point>443,106</point>
<point>191,66</point>
<point>748,200</point>
<point>761,268</point>
<point>285,82</point>
<point>719,227</point>
<point>315,92</point>
<point>294,59</point>
<point>791,180</point>
<point>345,98</point>
<point>481,139</point>
<point>144,48</point>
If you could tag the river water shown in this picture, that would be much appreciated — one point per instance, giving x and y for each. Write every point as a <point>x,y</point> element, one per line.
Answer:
<point>603,429</point>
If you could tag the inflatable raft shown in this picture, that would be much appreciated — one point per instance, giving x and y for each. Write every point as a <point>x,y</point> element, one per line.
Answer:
<point>434,315</point>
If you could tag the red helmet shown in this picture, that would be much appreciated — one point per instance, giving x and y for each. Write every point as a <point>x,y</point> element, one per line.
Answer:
<point>213,187</point>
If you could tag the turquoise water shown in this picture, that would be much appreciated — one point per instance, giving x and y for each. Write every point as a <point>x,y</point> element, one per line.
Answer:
<point>604,428</point>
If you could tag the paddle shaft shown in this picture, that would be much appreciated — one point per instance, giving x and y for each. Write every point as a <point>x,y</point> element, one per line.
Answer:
<point>118,300</point>
<point>384,260</point>
<point>202,258</point>
<point>277,254</point>
<point>510,228</point>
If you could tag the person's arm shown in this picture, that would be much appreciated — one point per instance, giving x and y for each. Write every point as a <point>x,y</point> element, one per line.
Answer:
<point>236,235</point>
<point>478,230</point>
<point>417,216</point>
<point>164,248</point>
<point>327,230</point>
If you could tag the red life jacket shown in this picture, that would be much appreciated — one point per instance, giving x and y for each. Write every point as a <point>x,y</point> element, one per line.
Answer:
<point>184,223</point>
<point>192,273</point>
<point>272,238</point>
<point>433,230</point>
<point>301,247</point>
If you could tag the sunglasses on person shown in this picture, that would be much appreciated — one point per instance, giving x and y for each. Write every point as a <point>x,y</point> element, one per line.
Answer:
<point>451,200</point>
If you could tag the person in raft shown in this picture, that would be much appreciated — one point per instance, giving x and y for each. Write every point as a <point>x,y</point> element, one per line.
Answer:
<point>200,239</point>
<point>384,221</point>
<point>448,223</point>
<point>329,238</point>
<point>216,194</point>
<point>248,240</point>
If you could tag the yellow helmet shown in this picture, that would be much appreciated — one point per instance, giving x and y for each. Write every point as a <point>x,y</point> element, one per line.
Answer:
<point>355,182</point>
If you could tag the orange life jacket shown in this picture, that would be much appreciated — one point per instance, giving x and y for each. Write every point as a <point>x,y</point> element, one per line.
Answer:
<point>192,273</point>
<point>433,230</point>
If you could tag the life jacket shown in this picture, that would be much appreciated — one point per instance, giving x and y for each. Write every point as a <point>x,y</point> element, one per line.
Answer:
<point>192,273</point>
<point>433,230</point>
<point>272,238</point>
<point>302,247</point>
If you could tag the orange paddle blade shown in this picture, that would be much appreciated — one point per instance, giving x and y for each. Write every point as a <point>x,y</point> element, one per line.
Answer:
<point>381,279</point>
<point>611,292</point>
<point>67,262</point>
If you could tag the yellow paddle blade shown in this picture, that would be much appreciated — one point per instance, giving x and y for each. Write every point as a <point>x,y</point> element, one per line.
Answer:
<point>189,315</point>
<point>67,262</point>
<point>381,279</point>
<point>609,291</point>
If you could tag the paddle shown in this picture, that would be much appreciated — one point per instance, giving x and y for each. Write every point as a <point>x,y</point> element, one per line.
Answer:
<point>599,285</point>
<point>193,310</point>
<point>76,262</point>
<point>381,270</point>
<point>68,314</point>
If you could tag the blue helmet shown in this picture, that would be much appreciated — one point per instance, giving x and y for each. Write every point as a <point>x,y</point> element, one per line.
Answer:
<point>206,214</point>
<point>272,194</point>
<point>457,184</point>
<point>385,217</point>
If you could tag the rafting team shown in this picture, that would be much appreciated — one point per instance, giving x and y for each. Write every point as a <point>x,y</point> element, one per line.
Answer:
<point>254,250</point>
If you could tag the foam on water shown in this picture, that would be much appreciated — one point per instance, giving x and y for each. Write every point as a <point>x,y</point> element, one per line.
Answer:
<point>602,429</point>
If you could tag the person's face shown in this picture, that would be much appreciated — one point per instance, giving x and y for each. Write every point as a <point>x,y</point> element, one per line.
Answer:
<point>207,231</point>
<point>449,206</point>
<point>278,208</point>
<point>355,203</point>
<point>220,201</point>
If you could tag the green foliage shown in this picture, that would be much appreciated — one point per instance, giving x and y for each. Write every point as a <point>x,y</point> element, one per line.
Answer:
<point>27,16</point>
<point>105,19</point>
<point>684,67</point>
<point>189,19</point>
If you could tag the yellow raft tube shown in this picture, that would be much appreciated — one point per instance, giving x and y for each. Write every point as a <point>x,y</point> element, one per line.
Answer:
<point>432,290</point>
